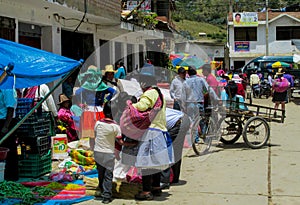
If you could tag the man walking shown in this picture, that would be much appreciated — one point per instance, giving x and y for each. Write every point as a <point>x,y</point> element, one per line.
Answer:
<point>193,91</point>
<point>176,87</point>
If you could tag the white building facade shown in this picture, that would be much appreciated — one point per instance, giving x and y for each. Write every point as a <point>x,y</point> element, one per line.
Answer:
<point>250,40</point>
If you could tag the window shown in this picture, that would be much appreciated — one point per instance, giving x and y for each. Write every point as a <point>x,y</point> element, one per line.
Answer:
<point>245,34</point>
<point>287,33</point>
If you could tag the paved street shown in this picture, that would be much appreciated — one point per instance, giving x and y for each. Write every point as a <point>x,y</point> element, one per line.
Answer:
<point>238,175</point>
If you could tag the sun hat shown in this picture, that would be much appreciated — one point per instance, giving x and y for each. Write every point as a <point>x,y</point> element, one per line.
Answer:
<point>109,69</point>
<point>280,71</point>
<point>92,68</point>
<point>62,98</point>
<point>236,78</point>
<point>220,72</point>
<point>92,79</point>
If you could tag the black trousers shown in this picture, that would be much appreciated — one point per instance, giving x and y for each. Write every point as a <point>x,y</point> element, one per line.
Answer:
<point>11,167</point>
<point>150,179</point>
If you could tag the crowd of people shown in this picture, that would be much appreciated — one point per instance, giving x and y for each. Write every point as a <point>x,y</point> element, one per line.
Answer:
<point>94,110</point>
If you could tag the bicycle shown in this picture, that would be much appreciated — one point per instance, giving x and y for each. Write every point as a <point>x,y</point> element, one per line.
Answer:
<point>206,127</point>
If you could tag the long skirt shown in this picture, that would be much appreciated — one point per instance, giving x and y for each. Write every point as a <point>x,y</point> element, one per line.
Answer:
<point>279,97</point>
<point>155,150</point>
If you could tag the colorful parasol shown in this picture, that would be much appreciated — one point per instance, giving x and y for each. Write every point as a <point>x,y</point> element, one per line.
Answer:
<point>280,64</point>
<point>193,61</point>
<point>178,57</point>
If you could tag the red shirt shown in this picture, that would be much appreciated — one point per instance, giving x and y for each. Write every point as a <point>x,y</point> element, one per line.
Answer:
<point>212,81</point>
<point>240,90</point>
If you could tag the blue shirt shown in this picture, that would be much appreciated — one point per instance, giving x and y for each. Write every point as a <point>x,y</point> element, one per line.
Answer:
<point>225,98</point>
<point>193,91</point>
<point>94,98</point>
<point>290,79</point>
<point>120,74</point>
<point>8,98</point>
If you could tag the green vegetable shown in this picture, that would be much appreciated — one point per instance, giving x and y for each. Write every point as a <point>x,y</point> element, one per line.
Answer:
<point>9,189</point>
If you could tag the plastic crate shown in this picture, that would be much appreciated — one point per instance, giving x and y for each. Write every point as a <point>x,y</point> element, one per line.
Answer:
<point>35,129</point>
<point>38,124</point>
<point>35,165</point>
<point>39,145</point>
<point>24,106</point>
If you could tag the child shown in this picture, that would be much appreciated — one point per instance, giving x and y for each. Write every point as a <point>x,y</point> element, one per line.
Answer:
<point>107,131</point>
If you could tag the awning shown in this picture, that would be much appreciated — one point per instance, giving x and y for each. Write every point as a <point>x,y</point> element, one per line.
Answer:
<point>31,66</point>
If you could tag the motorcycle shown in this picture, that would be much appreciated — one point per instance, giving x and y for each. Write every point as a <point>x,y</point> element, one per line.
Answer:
<point>256,90</point>
<point>265,89</point>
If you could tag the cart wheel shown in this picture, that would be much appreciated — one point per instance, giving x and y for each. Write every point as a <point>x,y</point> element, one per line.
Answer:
<point>231,129</point>
<point>203,142</point>
<point>256,132</point>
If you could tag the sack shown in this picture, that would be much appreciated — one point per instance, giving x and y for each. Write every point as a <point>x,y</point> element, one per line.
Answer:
<point>133,176</point>
<point>281,86</point>
<point>134,123</point>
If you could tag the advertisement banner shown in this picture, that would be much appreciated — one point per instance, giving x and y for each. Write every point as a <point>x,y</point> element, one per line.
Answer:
<point>241,46</point>
<point>245,19</point>
<point>145,7</point>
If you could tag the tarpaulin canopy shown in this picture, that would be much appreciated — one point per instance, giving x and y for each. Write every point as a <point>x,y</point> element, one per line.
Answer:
<point>32,66</point>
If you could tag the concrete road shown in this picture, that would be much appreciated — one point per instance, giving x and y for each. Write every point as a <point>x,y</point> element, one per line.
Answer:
<point>237,175</point>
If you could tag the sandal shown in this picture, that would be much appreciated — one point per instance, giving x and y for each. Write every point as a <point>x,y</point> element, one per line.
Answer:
<point>156,192</point>
<point>141,196</point>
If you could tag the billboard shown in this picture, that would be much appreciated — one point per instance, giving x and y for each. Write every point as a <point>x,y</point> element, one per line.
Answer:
<point>241,46</point>
<point>245,19</point>
<point>145,7</point>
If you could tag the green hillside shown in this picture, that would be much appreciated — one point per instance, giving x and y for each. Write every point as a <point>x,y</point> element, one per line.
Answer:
<point>191,30</point>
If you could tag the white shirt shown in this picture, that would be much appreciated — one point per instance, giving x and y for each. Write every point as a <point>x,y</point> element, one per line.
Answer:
<point>254,79</point>
<point>176,88</point>
<point>106,134</point>
<point>48,104</point>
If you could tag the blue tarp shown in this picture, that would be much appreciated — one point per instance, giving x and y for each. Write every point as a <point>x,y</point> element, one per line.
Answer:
<point>32,66</point>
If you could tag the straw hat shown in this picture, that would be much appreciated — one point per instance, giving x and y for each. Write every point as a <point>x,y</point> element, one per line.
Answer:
<point>280,71</point>
<point>109,69</point>
<point>62,98</point>
<point>92,68</point>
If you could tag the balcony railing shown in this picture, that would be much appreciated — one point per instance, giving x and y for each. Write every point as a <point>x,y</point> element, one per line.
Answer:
<point>108,9</point>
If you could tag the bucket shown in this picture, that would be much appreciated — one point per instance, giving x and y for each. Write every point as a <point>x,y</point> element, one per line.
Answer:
<point>3,153</point>
<point>2,169</point>
<point>59,146</point>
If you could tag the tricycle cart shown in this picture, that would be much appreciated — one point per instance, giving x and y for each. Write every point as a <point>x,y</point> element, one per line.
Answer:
<point>232,123</point>
<point>253,124</point>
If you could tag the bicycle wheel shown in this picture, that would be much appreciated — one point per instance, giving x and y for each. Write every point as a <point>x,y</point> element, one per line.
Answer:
<point>256,132</point>
<point>202,145</point>
<point>231,129</point>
